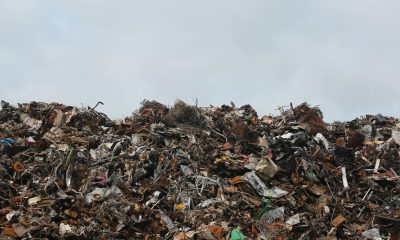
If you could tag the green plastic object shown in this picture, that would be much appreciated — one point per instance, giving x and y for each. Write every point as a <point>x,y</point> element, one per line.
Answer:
<point>265,205</point>
<point>236,234</point>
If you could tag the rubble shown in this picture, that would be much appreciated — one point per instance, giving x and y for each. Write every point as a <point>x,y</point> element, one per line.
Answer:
<point>189,172</point>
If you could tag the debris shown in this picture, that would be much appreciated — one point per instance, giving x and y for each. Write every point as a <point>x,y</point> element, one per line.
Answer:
<point>372,233</point>
<point>338,220</point>
<point>66,230</point>
<point>190,172</point>
<point>293,220</point>
<point>9,231</point>
<point>167,220</point>
<point>216,230</point>
<point>272,215</point>
<point>378,161</point>
<point>275,192</point>
<point>266,168</point>
<point>34,200</point>
<point>256,182</point>
<point>21,230</point>
<point>96,195</point>
<point>236,234</point>
<point>7,141</point>
<point>266,203</point>
<point>396,135</point>
<point>310,118</point>
<point>18,166</point>
<point>344,178</point>
<point>320,138</point>
<point>11,214</point>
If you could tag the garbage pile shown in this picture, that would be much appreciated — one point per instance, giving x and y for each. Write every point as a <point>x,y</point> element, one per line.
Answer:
<point>189,172</point>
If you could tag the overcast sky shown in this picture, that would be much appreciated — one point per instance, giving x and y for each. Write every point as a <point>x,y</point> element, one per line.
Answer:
<point>340,55</point>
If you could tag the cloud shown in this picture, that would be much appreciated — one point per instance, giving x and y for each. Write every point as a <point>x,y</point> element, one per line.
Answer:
<point>340,55</point>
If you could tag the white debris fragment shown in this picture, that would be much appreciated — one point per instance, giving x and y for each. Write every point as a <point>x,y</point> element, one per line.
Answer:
<point>286,136</point>
<point>344,178</point>
<point>261,188</point>
<point>377,163</point>
<point>34,200</point>
<point>266,168</point>
<point>293,220</point>
<point>96,195</point>
<point>320,138</point>
<point>66,230</point>
<point>372,233</point>
<point>255,181</point>
<point>11,214</point>
<point>99,194</point>
<point>275,192</point>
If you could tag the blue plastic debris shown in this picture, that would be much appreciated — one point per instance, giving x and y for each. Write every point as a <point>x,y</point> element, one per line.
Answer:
<point>7,141</point>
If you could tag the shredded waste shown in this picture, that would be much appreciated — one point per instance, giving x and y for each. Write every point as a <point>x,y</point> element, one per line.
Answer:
<point>189,172</point>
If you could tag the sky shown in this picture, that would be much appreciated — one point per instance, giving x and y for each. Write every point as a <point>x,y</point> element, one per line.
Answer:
<point>340,55</point>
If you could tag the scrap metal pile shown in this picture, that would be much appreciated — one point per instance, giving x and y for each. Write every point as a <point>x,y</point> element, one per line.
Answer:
<point>188,172</point>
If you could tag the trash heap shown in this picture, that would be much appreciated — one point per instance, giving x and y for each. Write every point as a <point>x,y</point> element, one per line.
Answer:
<point>188,172</point>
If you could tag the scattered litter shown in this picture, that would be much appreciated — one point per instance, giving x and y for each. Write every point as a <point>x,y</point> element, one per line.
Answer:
<point>190,172</point>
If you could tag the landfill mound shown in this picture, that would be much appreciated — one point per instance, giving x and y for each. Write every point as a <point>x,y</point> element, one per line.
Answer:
<point>189,172</point>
